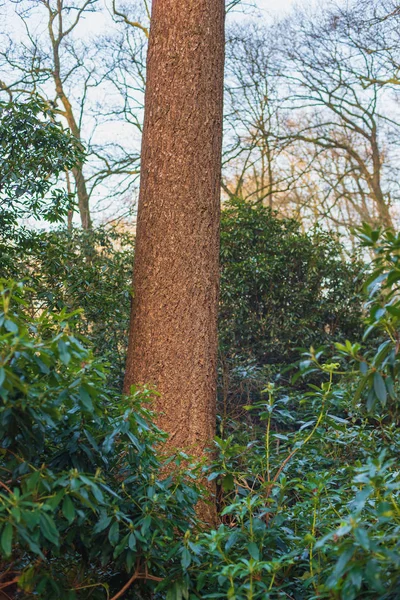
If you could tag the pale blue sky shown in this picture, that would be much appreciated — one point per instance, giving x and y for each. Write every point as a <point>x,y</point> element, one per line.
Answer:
<point>280,7</point>
<point>275,6</point>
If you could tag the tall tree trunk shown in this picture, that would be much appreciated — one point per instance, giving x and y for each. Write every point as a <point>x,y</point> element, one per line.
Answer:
<point>77,171</point>
<point>385,218</point>
<point>173,331</point>
<point>83,197</point>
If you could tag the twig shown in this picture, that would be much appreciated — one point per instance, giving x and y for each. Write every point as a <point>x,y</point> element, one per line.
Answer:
<point>5,487</point>
<point>136,575</point>
<point>132,24</point>
<point>8,583</point>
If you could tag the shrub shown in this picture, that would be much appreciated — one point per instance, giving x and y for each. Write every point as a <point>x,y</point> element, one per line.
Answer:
<point>86,270</point>
<point>309,499</point>
<point>281,290</point>
<point>82,507</point>
<point>34,152</point>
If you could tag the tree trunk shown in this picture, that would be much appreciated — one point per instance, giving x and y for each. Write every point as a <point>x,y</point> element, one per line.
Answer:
<point>77,171</point>
<point>173,331</point>
<point>384,215</point>
<point>83,197</point>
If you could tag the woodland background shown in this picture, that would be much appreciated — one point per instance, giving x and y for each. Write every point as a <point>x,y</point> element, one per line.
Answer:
<point>304,464</point>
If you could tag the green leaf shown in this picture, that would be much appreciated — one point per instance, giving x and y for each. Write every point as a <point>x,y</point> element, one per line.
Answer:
<point>362,538</point>
<point>186,558</point>
<point>85,399</point>
<point>120,547</point>
<point>253,550</point>
<point>49,529</point>
<point>113,534</point>
<point>26,579</point>
<point>65,356</point>
<point>175,592</point>
<point>381,353</point>
<point>55,500</point>
<point>393,277</point>
<point>361,497</point>
<point>233,538</point>
<point>132,541</point>
<point>359,389</point>
<point>340,567</point>
<point>380,388</point>
<point>130,558</point>
<point>6,539</point>
<point>11,326</point>
<point>68,509</point>
<point>363,367</point>
<point>228,483</point>
<point>102,524</point>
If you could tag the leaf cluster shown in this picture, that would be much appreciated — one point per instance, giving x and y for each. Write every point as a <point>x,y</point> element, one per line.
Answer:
<point>82,505</point>
<point>34,152</point>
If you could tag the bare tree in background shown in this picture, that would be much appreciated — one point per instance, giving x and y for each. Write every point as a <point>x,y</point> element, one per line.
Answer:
<point>326,82</point>
<point>64,66</point>
<point>260,165</point>
<point>312,103</point>
<point>123,56</point>
<point>311,125</point>
<point>251,117</point>
<point>373,27</point>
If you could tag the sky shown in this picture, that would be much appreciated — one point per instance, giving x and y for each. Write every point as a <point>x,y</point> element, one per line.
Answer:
<point>275,6</point>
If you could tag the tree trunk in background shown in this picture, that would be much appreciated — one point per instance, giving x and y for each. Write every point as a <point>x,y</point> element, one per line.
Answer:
<point>77,171</point>
<point>83,197</point>
<point>173,331</point>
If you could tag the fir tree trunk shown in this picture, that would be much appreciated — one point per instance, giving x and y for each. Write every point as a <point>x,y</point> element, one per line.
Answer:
<point>173,331</point>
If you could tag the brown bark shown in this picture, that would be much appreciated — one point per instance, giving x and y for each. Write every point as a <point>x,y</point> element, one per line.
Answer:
<point>385,217</point>
<point>69,190</point>
<point>81,190</point>
<point>77,171</point>
<point>173,332</point>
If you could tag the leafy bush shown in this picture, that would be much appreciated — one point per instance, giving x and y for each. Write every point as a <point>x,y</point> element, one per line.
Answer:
<point>281,290</point>
<point>34,151</point>
<point>379,367</point>
<point>309,499</point>
<point>82,507</point>
<point>306,513</point>
<point>86,270</point>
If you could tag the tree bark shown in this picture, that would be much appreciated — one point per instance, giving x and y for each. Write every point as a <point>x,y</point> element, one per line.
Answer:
<point>385,218</point>
<point>77,171</point>
<point>173,331</point>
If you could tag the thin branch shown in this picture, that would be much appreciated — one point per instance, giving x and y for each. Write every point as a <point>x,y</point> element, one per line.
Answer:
<point>128,21</point>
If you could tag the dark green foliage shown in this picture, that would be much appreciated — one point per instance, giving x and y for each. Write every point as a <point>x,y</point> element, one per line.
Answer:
<point>308,489</point>
<point>81,502</point>
<point>34,152</point>
<point>379,366</point>
<point>281,290</point>
<point>310,513</point>
<point>86,270</point>
<point>310,500</point>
